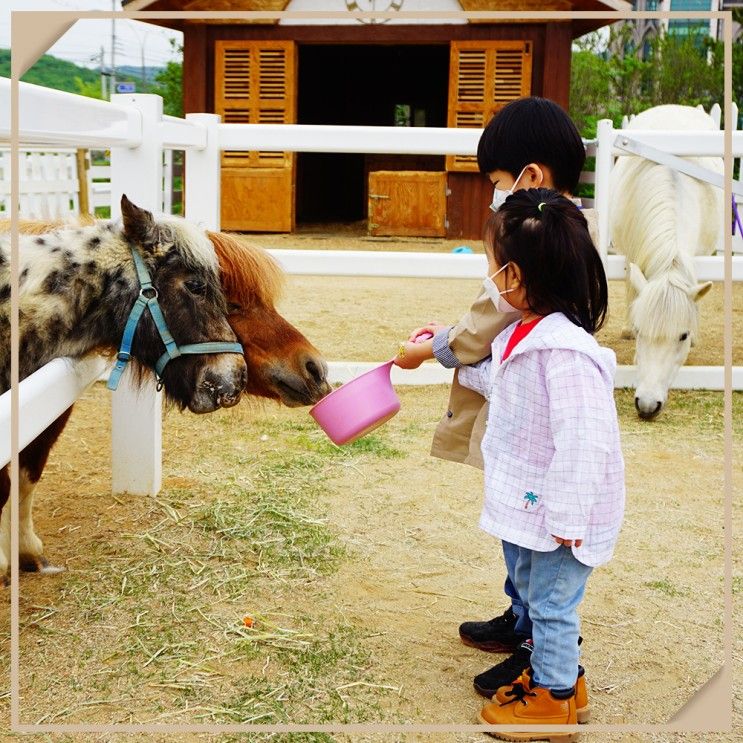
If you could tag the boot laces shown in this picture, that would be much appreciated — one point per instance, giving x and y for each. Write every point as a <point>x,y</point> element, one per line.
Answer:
<point>518,693</point>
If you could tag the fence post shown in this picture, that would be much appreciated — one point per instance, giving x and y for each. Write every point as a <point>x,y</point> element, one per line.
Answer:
<point>201,181</point>
<point>715,113</point>
<point>136,413</point>
<point>604,141</point>
<point>83,199</point>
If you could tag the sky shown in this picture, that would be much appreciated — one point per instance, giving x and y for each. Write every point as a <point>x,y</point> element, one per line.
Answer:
<point>84,40</point>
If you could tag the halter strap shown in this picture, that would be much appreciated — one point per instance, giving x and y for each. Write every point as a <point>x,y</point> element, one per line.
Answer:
<point>147,299</point>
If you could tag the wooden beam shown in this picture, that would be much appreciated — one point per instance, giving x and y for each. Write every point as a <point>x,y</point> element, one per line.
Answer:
<point>195,70</point>
<point>556,68</point>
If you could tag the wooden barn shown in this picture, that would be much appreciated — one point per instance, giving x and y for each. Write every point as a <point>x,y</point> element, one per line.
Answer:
<point>400,72</point>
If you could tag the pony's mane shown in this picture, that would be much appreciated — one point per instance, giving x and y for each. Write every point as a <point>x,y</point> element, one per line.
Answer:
<point>40,227</point>
<point>191,240</point>
<point>248,273</point>
<point>171,230</point>
<point>663,309</point>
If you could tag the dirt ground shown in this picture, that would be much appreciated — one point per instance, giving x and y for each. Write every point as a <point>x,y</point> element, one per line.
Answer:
<point>341,308</point>
<point>414,565</point>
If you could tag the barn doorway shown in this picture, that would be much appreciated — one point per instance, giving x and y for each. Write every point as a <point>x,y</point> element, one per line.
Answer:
<point>364,85</point>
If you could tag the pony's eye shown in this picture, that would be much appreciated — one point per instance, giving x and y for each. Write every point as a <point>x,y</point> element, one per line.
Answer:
<point>196,287</point>
<point>232,307</point>
<point>683,336</point>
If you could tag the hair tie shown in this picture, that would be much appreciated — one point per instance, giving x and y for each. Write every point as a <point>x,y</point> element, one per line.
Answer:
<point>540,205</point>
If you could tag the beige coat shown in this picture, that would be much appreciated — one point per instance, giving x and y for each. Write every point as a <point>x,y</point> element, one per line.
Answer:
<point>459,433</point>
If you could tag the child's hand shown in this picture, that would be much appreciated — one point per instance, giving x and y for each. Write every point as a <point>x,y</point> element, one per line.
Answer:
<point>412,355</point>
<point>567,542</point>
<point>431,327</point>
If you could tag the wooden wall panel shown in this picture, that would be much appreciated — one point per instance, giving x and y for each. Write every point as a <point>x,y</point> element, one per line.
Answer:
<point>467,206</point>
<point>257,199</point>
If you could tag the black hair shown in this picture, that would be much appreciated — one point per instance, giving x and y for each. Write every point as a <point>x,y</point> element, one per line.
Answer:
<point>533,130</point>
<point>547,237</point>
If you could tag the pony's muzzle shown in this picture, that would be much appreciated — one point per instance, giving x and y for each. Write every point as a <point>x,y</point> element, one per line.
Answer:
<point>648,409</point>
<point>306,384</point>
<point>221,384</point>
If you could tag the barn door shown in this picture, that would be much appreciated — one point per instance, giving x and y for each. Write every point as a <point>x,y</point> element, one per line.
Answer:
<point>483,77</point>
<point>255,83</point>
<point>403,202</point>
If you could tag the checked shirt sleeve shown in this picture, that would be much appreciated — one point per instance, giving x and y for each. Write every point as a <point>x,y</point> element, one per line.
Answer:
<point>477,377</point>
<point>584,431</point>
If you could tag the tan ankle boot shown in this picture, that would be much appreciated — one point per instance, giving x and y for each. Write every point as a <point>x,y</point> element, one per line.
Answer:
<point>532,706</point>
<point>582,706</point>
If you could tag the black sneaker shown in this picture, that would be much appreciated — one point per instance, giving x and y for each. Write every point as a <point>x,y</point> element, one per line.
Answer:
<point>495,636</point>
<point>504,673</point>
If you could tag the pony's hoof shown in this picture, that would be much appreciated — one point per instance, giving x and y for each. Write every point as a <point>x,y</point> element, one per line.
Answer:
<point>38,564</point>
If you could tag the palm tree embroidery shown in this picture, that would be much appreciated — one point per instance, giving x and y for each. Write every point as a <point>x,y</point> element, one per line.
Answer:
<point>530,499</point>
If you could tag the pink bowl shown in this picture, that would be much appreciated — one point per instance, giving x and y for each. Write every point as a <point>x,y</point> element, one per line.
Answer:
<point>358,407</point>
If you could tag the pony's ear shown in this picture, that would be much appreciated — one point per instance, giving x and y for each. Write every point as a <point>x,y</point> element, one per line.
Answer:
<point>637,277</point>
<point>139,225</point>
<point>697,292</point>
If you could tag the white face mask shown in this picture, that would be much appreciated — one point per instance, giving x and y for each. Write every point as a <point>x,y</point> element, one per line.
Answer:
<point>499,195</point>
<point>496,296</point>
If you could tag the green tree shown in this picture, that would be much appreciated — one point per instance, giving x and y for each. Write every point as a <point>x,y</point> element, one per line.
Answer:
<point>88,88</point>
<point>51,72</point>
<point>169,84</point>
<point>590,86</point>
<point>677,69</point>
<point>685,69</point>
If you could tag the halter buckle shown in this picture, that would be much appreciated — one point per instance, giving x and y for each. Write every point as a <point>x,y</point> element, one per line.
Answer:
<point>148,292</point>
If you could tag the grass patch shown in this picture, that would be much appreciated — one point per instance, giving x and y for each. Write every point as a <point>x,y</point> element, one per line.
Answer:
<point>685,409</point>
<point>274,533</point>
<point>665,587</point>
<point>322,673</point>
<point>372,446</point>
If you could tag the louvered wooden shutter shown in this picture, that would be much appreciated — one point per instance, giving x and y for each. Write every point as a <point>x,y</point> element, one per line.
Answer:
<point>255,83</point>
<point>483,77</point>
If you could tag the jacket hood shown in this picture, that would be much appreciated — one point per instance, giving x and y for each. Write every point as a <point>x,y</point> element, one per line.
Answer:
<point>556,331</point>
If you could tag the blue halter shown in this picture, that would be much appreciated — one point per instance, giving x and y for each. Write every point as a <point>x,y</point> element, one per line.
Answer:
<point>147,299</point>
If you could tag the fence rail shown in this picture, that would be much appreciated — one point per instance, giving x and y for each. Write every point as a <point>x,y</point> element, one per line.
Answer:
<point>44,396</point>
<point>136,132</point>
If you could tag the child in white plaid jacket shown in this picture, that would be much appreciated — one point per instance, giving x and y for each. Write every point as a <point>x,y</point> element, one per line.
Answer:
<point>554,473</point>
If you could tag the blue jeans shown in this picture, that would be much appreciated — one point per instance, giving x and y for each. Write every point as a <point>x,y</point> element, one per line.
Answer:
<point>550,586</point>
<point>523,624</point>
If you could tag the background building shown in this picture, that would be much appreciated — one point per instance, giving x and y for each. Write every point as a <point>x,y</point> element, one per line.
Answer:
<point>344,71</point>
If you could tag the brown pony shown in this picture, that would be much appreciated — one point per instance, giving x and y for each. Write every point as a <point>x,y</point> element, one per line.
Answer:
<point>282,364</point>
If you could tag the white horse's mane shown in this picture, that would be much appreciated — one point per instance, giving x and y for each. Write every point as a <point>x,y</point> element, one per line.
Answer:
<point>663,310</point>
<point>653,230</point>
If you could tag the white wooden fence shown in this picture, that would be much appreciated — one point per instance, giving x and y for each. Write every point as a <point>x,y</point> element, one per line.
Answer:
<point>49,186</point>
<point>135,130</point>
<point>52,184</point>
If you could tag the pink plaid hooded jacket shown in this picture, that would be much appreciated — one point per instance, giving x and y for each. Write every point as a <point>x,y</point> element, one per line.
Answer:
<point>553,460</point>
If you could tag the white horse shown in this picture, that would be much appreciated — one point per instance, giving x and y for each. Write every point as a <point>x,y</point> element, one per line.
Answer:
<point>660,219</point>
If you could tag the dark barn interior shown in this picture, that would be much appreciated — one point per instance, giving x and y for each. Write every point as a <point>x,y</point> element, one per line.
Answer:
<point>364,85</point>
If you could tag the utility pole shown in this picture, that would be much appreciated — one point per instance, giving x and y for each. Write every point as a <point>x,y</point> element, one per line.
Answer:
<point>113,52</point>
<point>104,91</point>
<point>144,81</point>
